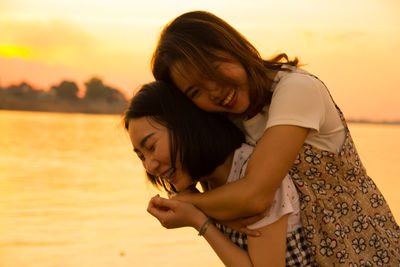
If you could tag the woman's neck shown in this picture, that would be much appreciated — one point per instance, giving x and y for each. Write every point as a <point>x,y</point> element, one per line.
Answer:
<point>253,110</point>
<point>221,173</point>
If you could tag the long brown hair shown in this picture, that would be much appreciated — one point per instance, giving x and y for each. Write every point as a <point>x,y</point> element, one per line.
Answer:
<point>194,39</point>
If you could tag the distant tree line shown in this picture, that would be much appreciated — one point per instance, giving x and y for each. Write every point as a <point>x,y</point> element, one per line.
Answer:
<point>63,97</point>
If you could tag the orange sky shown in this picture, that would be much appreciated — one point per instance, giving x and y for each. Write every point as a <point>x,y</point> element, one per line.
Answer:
<point>352,45</point>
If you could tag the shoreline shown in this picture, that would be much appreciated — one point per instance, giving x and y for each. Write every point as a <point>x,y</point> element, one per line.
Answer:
<point>382,122</point>
<point>102,109</point>
<point>63,106</point>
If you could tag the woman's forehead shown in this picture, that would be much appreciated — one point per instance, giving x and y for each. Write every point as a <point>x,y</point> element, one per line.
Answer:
<point>184,70</point>
<point>184,73</point>
<point>143,125</point>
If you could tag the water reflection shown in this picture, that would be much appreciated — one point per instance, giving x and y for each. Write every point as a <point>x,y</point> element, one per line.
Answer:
<point>72,193</point>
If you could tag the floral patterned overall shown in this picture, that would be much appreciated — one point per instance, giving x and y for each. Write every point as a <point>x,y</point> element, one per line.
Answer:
<point>346,220</point>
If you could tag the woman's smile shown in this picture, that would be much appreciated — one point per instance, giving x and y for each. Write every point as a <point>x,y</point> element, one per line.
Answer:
<point>230,100</point>
<point>151,142</point>
<point>215,95</point>
<point>169,175</point>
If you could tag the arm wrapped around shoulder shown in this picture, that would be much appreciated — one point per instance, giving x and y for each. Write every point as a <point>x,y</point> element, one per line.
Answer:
<point>254,193</point>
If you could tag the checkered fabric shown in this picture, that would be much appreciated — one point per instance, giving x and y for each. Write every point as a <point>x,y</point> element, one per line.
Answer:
<point>238,238</point>
<point>297,252</point>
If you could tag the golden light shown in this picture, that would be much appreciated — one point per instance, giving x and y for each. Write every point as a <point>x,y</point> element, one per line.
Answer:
<point>14,51</point>
<point>351,45</point>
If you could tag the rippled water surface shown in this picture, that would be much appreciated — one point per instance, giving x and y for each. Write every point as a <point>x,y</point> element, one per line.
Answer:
<point>72,193</point>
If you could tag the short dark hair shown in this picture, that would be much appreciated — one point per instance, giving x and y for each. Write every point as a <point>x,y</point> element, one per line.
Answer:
<point>203,140</point>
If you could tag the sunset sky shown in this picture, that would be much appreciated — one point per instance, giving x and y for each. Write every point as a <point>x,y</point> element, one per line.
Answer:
<point>352,45</point>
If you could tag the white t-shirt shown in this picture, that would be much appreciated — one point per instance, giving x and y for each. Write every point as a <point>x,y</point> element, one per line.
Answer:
<point>286,200</point>
<point>299,99</point>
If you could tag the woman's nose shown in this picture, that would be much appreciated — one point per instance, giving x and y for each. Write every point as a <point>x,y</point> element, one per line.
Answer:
<point>151,165</point>
<point>213,90</point>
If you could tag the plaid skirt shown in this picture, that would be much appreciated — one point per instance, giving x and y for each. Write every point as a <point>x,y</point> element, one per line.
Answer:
<point>297,252</point>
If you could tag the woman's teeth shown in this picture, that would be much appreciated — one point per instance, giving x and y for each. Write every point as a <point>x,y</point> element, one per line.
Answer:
<point>169,174</point>
<point>228,99</point>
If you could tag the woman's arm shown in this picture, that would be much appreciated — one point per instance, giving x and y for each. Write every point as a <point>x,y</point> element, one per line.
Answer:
<point>268,250</point>
<point>271,160</point>
<point>175,214</point>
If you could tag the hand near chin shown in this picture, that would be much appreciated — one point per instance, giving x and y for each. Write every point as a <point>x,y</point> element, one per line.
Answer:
<point>173,213</point>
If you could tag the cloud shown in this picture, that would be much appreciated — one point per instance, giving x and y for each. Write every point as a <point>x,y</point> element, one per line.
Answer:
<point>44,35</point>
<point>336,35</point>
<point>344,36</point>
<point>14,51</point>
<point>44,52</point>
<point>14,70</point>
<point>56,42</point>
<point>51,42</point>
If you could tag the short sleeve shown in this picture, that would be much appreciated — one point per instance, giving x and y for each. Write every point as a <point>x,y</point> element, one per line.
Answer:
<point>297,100</point>
<point>286,201</point>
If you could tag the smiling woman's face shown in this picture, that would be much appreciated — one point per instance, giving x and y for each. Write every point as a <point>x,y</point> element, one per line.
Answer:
<point>151,143</point>
<point>213,96</point>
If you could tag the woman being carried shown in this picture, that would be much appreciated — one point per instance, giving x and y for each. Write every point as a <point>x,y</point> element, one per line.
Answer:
<point>290,117</point>
<point>180,145</point>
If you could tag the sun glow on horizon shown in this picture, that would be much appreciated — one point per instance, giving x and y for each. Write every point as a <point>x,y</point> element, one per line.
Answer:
<point>14,51</point>
<point>350,45</point>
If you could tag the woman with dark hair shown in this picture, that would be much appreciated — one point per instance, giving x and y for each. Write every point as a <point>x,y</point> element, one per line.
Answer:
<point>180,145</point>
<point>289,116</point>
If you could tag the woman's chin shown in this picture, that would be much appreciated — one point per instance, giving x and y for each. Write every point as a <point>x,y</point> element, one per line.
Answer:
<point>185,188</point>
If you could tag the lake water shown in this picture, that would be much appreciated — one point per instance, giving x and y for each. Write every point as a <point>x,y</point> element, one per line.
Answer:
<point>72,193</point>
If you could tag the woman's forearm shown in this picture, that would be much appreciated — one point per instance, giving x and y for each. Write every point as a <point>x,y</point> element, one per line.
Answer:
<point>267,250</point>
<point>254,193</point>
<point>229,201</point>
<point>229,253</point>
<point>175,214</point>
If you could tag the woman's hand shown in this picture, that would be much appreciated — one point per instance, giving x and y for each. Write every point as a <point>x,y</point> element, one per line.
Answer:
<point>239,224</point>
<point>175,214</point>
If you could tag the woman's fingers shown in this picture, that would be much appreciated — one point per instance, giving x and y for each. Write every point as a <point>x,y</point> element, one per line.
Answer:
<point>253,233</point>
<point>161,208</point>
<point>154,210</point>
<point>161,202</point>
